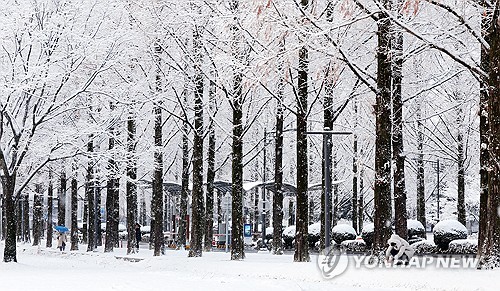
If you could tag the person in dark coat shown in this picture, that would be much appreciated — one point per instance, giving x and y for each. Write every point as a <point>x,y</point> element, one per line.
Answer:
<point>137,235</point>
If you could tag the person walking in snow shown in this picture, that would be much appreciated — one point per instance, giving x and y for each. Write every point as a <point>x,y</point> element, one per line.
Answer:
<point>61,241</point>
<point>137,235</point>
<point>399,250</point>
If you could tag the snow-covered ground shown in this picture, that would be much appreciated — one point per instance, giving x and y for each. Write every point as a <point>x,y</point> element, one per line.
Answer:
<point>49,269</point>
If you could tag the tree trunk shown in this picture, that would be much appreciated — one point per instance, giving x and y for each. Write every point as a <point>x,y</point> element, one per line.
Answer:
<point>26,234</point>
<point>360,202</point>
<point>278,167</point>
<point>184,185</point>
<point>61,209</point>
<point>382,191</point>
<point>8,184</point>
<point>302,222</point>
<point>400,213</point>
<point>50,206</point>
<point>131,182</point>
<point>157,199</point>
<point>355,171</point>
<point>198,208</point>
<point>484,131</point>
<point>461,179</point>
<point>37,215</point>
<point>335,190</point>
<point>490,252</point>
<point>91,202</point>
<point>112,195</point>
<point>74,213</point>
<point>237,243</point>
<point>420,169</point>
<point>209,214</point>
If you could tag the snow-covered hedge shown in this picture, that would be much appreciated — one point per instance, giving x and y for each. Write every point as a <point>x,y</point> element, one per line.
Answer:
<point>448,230</point>
<point>415,229</point>
<point>289,236</point>
<point>353,246</point>
<point>314,235</point>
<point>367,234</point>
<point>463,247</point>
<point>343,232</point>
<point>425,247</point>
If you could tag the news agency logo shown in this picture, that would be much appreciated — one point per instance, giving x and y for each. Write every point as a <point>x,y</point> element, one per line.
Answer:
<point>333,263</point>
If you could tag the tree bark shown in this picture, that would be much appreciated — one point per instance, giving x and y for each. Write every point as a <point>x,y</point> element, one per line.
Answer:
<point>131,182</point>
<point>237,243</point>
<point>382,191</point>
<point>112,194</point>
<point>461,178</point>
<point>74,212</point>
<point>37,214</point>
<point>198,207</point>
<point>8,184</point>
<point>490,252</point>
<point>157,199</point>
<point>50,206</point>
<point>400,213</point>
<point>484,132</point>
<point>90,193</point>
<point>420,169</point>
<point>209,214</point>
<point>302,223</point>
<point>61,209</point>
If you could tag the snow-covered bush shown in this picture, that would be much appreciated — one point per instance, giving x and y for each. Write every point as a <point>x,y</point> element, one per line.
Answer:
<point>415,229</point>
<point>425,247</point>
<point>343,232</point>
<point>414,240</point>
<point>367,234</point>
<point>463,247</point>
<point>448,230</point>
<point>353,246</point>
<point>289,237</point>
<point>314,235</point>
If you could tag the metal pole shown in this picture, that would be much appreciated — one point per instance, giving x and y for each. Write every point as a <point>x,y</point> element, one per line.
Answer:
<point>264,195</point>
<point>95,217</point>
<point>438,186</point>
<point>328,187</point>
<point>227,222</point>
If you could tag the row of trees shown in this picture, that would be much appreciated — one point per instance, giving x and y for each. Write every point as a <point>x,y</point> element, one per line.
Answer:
<point>116,90</point>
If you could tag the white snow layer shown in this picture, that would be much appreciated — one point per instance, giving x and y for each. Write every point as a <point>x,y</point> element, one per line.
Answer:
<point>344,228</point>
<point>449,226</point>
<point>44,269</point>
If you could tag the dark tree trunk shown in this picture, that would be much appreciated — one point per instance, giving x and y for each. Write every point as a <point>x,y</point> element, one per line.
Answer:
<point>484,131</point>
<point>157,199</point>
<point>209,214</point>
<point>237,243</point>
<point>360,202</point>
<point>26,235</point>
<point>355,172</point>
<point>8,184</point>
<point>97,207</point>
<point>90,194</point>
<point>461,179</point>
<point>85,228</point>
<point>184,185</point>
<point>302,222</point>
<point>278,168</point>
<point>131,183</point>
<point>198,207</point>
<point>37,215</point>
<point>50,206</point>
<point>335,192</point>
<point>420,169</point>
<point>327,125</point>
<point>112,195</point>
<point>400,213</point>
<point>382,191</point>
<point>74,212</point>
<point>61,209</point>
<point>291,213</point>
<point>490,252</point>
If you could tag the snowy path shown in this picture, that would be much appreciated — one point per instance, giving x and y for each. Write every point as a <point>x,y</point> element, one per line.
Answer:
<point>52,270</point>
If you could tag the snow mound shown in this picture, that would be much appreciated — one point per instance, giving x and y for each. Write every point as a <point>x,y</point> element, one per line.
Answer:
<point>425,247</point>
<point>269,231</point>
<point>353,246</point>
<point>415,228</point>
<point>314,229</point>
<point>449,226</point>
<point>370,227</point>
<point>289,231</point>
<point>344,228</point>
<point>463,247</point>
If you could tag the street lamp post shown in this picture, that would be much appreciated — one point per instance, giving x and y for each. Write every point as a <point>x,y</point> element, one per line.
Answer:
<point>327,144</point>
<point>264,193</point>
